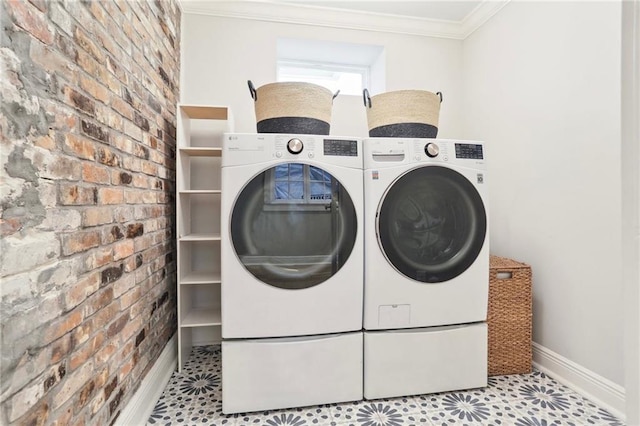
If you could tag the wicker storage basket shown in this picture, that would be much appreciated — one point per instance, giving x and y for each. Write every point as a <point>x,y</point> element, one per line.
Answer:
<point>292,107</point>
<point>509,317</point>
<point>403,114</point>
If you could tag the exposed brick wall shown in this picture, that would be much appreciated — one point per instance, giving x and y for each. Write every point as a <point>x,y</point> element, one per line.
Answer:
<point>88,298</point>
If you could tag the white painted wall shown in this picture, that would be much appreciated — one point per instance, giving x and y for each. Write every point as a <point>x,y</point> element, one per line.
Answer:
<point>220,54</point>
<point>542,88</point>
<point>631,203</point>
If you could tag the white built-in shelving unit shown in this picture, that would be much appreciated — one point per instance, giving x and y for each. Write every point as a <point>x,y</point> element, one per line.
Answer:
<point>198,163</point>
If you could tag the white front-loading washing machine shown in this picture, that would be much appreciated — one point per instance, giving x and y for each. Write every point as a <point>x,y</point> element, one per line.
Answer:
<point>426,266</point>
<point>292,270</point>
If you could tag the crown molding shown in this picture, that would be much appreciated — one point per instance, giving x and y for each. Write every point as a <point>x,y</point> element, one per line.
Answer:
<point>481,14</point>
<point>302,14</point>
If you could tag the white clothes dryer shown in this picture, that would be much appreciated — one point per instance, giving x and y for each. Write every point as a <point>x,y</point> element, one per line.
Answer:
<point>292,270</point>
<point>426,265</point>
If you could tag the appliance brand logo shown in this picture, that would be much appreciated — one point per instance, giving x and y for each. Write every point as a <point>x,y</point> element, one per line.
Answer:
<point>374,175</point>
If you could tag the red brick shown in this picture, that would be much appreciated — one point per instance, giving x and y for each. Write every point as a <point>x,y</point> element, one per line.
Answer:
<point>120,178</point>
<point>123,249</point>
<point>38,416</point>
<point>107,351</point>
<point>108,157</point>
<point>149,197</point>
<point>81,289</point>
<point>93,216</point>
<point>95,174</point>
<point>90,65</point>
<point>60,348</point>
<point>95,131</point>
<point>45,142</point>
<point>79,241</point>
<point>113,120</point>
<point>98,258</point>
<point>101,304</point>
<point>32,20</point>
<point>110,195</point>
<point>95,89</point>
<point>79,100</point>
<point>79,146</point>
<point>85,395</point>
<point>141,181</point>
<point>71,194</point>
<point>132,196</point>
<point>84,40</point>
<point>118,325</point>
<point>63,325</point>
<point>83,354</point>
<point>125,370</point>
<point>149,168</point>
<point>65,418</point>
<point>129,298</point>
<point>122,143</point>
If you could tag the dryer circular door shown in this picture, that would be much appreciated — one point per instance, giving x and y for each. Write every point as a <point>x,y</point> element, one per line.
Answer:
<point>431,224</point>
<point>293,226</point>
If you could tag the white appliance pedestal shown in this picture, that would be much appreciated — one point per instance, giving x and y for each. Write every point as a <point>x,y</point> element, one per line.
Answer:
<point>286,372</point>
<point>424,360</point>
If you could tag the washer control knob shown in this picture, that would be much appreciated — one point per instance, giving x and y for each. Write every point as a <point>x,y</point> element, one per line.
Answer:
<point>431,150</point>
<point>295,146</point>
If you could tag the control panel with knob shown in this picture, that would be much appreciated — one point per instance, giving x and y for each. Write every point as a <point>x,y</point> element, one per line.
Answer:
<point>294,146</point>
<point>432,150</point>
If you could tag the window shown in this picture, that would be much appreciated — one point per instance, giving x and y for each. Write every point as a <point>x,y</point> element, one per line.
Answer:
<point>349,79</point>
<point>295,183</point>
<point>347,67</point>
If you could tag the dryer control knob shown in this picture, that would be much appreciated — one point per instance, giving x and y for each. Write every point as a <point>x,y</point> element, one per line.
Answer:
<point>431,150</point>
<point>294,146</point>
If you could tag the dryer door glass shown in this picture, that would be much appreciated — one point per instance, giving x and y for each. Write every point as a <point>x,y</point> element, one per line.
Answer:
<point>431,224</point>
<point>293,226</point>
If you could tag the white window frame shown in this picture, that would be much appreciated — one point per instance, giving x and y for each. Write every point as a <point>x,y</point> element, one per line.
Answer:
<point>363,71</point>
<point>272,203</point>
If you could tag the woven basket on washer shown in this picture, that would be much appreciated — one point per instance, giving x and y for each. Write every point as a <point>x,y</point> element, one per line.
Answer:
<point>509,317</point>
<point>403,114</point>
<point>292,107</point>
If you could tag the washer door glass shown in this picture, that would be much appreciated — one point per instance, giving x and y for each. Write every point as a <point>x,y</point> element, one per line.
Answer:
<point>293,226</point>
<point>431,224</point>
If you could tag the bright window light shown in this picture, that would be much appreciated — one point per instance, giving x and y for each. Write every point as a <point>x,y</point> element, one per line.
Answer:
<point>347,67</point>
<point>349,79</point>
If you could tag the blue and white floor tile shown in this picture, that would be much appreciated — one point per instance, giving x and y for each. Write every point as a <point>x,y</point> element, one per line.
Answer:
<point>194,397</point>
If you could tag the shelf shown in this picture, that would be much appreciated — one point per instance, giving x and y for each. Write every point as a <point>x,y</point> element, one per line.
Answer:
<point>200,237</point>
<point>200,191</point>
<point>206,112</point>
<point>199,317</point>
<point>201,151</point>
<point>200,132</point>
<point>200,277</point>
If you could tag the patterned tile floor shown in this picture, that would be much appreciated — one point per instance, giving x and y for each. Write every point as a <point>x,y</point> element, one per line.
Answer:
<point>194,398</point>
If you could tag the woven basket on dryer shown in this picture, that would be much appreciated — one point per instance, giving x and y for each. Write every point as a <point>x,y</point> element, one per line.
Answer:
<point>403,113</point>
<point>509,317</point>
<point>291,107</point>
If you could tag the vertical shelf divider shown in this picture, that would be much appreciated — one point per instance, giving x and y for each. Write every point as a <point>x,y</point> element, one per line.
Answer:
<point>198,162</point>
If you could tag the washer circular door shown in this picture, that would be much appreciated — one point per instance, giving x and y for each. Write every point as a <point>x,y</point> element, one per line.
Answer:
<point>293,226</point>
<point>431,224</point>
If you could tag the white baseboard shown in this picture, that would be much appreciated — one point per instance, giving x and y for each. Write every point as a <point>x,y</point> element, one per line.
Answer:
<point>139,408</point>
<point>596,388</point>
